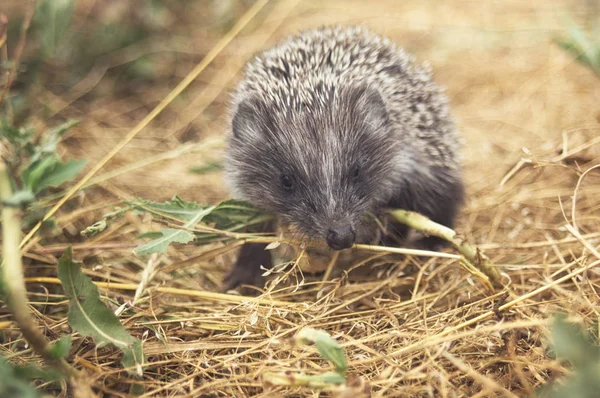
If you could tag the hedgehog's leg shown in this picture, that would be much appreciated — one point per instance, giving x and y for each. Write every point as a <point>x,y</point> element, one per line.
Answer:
<point>445,214</point>
<point>442,210</point>
<point>247,268</point>
<point>440,204</point>
<point>395,234</point>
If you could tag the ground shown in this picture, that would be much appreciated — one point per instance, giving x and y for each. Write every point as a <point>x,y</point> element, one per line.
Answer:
<point>529,116</point>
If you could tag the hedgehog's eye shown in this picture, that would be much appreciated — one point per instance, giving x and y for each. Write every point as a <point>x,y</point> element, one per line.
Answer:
<point>287,182</point>
<point>355,172</point>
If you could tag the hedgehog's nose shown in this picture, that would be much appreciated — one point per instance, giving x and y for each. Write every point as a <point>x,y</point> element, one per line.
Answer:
<point>341,237</point>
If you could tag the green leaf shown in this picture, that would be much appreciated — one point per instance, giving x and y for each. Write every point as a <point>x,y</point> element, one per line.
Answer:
<point>581,42</point>
<point>51,139</point>
<point>54,20</point>
<point>571,344</point>
<point>14,382</point>
<point>136,389</point>
<point>134,358</point>
<point>226,213</point>
<point>32,175</point>
<point>233,212</point>
<point>33,372</point>
<point>328,348</point>
<point>581,45</point>
<point>176,208</point>
<point>34,214</point>
<point>54,135</point>
<point>61,173</point>
<point>20,138</point>
<point>50,172</point>
<point>61,348</point>
<point>231,215</point>
<point>90,317</point>
<point>20,198</point>
<point>150,235</point>
<point>168,236</point>
<point>171,235</point>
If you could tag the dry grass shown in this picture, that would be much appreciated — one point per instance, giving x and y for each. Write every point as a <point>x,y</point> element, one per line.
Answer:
<point>530,119</point>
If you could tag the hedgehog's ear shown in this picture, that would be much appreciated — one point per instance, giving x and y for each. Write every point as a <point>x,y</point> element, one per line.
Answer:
<point>369,106</point>
<point>250,119</point>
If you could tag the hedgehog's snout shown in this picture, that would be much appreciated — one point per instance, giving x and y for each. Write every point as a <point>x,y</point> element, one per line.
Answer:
<point>341,237</point>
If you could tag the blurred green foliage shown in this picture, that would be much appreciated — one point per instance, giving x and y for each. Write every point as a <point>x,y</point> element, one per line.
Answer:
<point>15,380</point>
<point>582,45</point>
<point>53,21</point>
<point>64,46</point>
<point>35,165</point>
<point>329,349</point>
<point>570,343</point>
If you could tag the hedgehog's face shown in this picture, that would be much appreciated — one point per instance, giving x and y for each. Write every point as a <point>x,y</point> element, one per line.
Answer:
<point>320,169</point>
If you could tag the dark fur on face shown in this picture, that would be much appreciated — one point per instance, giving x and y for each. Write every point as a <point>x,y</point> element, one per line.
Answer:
<point>318,166</point>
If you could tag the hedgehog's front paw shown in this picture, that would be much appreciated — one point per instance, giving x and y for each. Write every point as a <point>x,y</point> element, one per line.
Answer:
<point>244,279</point>
<point>247,269</point>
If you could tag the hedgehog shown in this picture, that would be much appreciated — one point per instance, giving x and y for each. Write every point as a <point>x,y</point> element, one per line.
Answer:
<point>331,125</point>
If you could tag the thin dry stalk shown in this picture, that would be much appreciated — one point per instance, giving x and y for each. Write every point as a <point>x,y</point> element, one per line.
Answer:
<point>212,296</point>
<point>478,377</point>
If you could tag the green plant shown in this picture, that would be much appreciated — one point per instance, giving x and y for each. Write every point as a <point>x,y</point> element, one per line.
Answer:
<point>572,344</point>
<point>36,162</point>
<point>583,46</point>
<point>328,349</point>
<point>34,165</point>
<point>14,292</point>
<point>220,222</point>
<point>15,380</point>
<point>89,316</point>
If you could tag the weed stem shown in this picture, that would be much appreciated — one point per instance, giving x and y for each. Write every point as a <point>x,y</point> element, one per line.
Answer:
<point>473,258</point>
<point>14,282</point>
